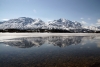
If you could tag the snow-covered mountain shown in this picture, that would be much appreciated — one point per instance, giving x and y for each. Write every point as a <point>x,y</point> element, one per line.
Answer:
<point>29,23</point>
<point>22,23</point>
<point>64,24</point>
<point>26,22</point>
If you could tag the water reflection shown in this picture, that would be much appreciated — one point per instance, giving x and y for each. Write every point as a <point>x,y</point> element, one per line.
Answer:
<point>78,51</point>
<point>54,40</point>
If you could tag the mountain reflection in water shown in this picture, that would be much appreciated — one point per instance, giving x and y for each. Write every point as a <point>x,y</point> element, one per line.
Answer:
<point>54,40</point>
<point>77,51</point>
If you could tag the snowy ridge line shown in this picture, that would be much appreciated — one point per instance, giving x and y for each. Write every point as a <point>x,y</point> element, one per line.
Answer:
<point>26,22</point>
<point>29,23</point>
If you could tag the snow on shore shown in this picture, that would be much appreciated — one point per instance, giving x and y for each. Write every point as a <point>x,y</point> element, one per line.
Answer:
<point>48,34</point>
<point>6,36</point>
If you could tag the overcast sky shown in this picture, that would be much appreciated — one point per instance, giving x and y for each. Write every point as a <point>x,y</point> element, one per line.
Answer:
<point>84,11</point>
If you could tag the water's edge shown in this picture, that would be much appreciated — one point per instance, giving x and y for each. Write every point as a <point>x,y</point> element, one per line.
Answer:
<point>49,34</point>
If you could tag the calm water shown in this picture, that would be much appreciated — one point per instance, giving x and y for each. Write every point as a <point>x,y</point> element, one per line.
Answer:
<point>52,51</point>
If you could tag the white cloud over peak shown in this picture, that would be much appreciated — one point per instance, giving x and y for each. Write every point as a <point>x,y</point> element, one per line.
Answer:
<point>49,20</point>
<point>5,19</point>
<point>98,22</point>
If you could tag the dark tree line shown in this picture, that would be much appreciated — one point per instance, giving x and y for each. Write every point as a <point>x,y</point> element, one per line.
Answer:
<point>50,30</point>
<point>35,30</point>
<point>97,31</point>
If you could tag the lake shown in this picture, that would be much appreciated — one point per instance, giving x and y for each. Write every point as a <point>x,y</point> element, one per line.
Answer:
<point>49,51</point>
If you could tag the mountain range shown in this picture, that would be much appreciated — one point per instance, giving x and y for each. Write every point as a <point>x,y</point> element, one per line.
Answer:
<point>29,23</point>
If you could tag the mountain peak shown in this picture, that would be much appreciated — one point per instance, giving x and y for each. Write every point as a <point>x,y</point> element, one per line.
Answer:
<point>61,20</point>
<point>21,23</point>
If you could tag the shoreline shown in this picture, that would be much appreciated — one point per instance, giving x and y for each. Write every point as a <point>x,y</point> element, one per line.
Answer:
<point>49,34</point>
<point>7,36</point>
